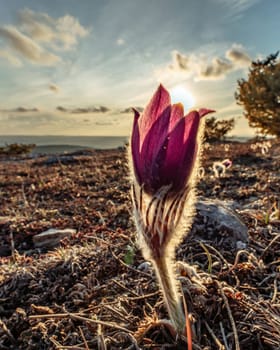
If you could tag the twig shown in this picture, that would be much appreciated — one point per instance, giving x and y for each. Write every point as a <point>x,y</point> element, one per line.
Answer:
<point>266,279</point>
<point>125,288</point>
<point>275,292</point>
<point>226,263</point>
<point>64,347</point>
<point>100,339</point>
<point>216,340</point>
<point>55,342</point>
<point>108,324</point>
<point>235,333</point>
<point>270,244</point>
<point>145,296</point>
<point>83,337</point>
<point>117,312</point>
<point>61,315</point>
<point>224,336</point>
<point>209,257</point>
<point>81,318</point>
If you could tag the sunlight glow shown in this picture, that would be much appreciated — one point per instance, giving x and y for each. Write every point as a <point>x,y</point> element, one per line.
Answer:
<point>179,93</point>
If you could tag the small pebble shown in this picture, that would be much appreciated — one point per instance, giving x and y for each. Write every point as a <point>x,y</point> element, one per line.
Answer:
<point>144,266</point>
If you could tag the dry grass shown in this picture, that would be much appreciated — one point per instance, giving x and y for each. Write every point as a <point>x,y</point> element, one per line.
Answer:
<point>96,292</point>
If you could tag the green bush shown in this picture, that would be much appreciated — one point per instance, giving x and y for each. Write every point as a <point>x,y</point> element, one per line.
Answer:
<point>15,149</point>
<point>216,130</point>
<point>260,95</point>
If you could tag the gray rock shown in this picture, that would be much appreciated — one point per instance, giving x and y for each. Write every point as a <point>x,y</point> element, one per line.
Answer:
<point>51,237</point>
<point>218,217</point>
<point>144,266</point>
<point>60,159</point>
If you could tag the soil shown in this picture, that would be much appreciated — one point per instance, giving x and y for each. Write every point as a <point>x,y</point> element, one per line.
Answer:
<point>96,291</point>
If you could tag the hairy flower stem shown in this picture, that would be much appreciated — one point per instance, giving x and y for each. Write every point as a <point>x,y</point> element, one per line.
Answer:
<point>166,277</point>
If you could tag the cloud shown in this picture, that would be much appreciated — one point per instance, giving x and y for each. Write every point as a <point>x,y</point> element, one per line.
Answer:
<point>181,62</point>
<point>231,109</point>
<point>61,109</point>
<point>235,9</point>
<point>23,109</point>
<point>10,57</point>
<point>99,109</point>
<point>28,48</point>
<point>20,110</point>
<point>46,122</point>
<point>31,123</point>
<point>217,69</point>
<point>78,110</point>
<point>38,26</point>
<point>201,68</point>
<point>120,41</point>
<point>63,31</point>
<point>238,56</point>
<point>96,109</point>
<point>54,88</point>
<point>38,35</point>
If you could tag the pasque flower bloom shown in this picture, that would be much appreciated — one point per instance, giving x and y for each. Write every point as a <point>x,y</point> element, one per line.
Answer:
<point>164,143</point>
<point>164,150</point>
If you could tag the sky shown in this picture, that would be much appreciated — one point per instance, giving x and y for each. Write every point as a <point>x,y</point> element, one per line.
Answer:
<point>70,67</point>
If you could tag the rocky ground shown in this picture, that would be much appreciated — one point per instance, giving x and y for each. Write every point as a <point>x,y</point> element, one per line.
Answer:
<point>94,290</point>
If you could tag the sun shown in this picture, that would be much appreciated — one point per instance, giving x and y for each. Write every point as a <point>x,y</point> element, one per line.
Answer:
<point>179,93</point>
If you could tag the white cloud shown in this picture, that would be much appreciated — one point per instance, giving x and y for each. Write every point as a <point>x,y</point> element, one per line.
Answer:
<point>201,67</point>
<point>231,109</point>
<point>182,62</point>
<point>37,35</point>
<point>10,57</point>
<point>63,31</point>
<point>235,9</point>
<point>216,69</point>
<point>120,42</point>
<point>68,30</point>
<point>28,48</point>
<point>56,123</point>
<point>38,26</point>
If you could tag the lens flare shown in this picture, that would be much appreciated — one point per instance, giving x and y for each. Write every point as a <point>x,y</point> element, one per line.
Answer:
<point>179,93</point>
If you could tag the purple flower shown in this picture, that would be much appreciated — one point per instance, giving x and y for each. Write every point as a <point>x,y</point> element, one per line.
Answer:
<point>164,144</point>
<point>164,148</point>
<point>227,163</point>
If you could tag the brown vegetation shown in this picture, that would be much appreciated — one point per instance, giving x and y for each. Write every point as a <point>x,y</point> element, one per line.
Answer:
<point>95,291</point>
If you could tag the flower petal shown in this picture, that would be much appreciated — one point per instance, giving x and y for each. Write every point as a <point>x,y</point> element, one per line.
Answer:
<point>158,104</point>
<point>154,143</point>
<point>151,146</point>
<point>178,155</point>
<point>135,146</point>
<point>203,111</point>
<point>164,143</point>
<point>177,113</point>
